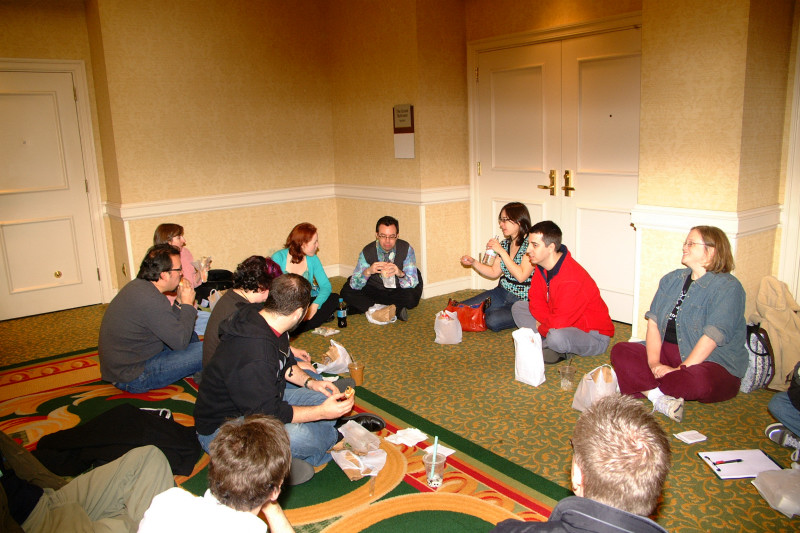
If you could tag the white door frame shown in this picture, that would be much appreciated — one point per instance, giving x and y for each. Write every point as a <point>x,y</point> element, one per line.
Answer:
<point>78,71</point>
<point>789,266</point>
<point>632,20</point>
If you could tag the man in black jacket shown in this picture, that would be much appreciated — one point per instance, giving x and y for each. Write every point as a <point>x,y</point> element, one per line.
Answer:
<point>251,367</point>
<point>621,457</point>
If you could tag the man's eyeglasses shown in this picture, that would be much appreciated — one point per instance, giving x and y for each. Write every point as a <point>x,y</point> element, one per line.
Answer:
<point>179,269</point>
<point>389,237</point>
<point>689,244</point>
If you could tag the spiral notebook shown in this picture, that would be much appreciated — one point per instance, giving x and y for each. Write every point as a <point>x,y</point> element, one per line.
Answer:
<point>734,464</point>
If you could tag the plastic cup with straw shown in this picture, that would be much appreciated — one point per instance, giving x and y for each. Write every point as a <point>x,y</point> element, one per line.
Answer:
<point>431,459</point>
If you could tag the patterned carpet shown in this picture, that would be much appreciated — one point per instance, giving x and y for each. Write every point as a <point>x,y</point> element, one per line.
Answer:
<point>478,490</point>
<point>469,389</point>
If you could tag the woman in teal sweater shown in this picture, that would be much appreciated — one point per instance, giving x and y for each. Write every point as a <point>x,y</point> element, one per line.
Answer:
<point>300,257</point>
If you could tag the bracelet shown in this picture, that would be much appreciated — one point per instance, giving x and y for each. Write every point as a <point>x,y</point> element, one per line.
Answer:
<point>305,385</point>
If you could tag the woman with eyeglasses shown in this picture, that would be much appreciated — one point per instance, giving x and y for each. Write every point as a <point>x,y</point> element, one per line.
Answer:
<point>300,257</point>
<point>695,341</point>
<point>513,267</point>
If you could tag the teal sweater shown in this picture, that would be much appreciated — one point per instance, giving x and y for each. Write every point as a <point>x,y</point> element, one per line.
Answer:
<point>315,274</point>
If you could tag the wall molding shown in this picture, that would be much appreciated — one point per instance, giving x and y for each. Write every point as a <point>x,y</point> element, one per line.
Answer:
<point>735,224</point>
<point>222,202</point>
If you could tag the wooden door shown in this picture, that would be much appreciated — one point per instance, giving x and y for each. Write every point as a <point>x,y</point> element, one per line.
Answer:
<point>47,253</point>
<point>591,129</point>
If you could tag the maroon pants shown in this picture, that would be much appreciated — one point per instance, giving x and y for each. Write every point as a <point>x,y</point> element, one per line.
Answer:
<point>707,382</point>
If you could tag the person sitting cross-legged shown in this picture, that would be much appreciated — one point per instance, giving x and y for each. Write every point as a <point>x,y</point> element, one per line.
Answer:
<point>620,460</point>
<point>145,341</point>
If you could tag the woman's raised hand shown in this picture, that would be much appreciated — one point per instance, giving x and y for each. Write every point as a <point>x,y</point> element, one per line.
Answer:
<point>494,244</point>
<point>467,260</point>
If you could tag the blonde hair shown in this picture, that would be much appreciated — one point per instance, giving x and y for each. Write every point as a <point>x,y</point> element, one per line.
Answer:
<point>623,453</point>
<point>721,259</point>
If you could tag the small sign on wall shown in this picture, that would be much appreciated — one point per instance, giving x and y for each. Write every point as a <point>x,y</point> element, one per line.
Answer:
<point>403,131</point>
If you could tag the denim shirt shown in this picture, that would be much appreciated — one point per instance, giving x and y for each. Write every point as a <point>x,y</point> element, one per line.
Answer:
<point>714,306</point>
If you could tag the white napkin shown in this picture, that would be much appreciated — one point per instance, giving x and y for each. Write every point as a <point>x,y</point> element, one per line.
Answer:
<point>409,437</point>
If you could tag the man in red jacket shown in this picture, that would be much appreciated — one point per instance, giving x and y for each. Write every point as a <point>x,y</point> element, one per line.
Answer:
<point>564,303</point>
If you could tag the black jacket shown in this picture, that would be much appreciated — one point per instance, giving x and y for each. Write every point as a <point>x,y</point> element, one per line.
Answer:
<point>579,515</point>
<point>246,374</point>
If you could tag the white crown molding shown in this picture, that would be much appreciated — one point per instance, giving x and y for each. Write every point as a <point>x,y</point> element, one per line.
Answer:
<point>143,210</point>
<point>735,224</point>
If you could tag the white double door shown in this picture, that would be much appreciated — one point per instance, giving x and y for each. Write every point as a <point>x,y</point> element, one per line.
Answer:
<point>47,254</point>
<point>550,109</point>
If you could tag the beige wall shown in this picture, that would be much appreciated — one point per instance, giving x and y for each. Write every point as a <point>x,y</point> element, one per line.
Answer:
<point>713,104</point>
<point>492,18</point>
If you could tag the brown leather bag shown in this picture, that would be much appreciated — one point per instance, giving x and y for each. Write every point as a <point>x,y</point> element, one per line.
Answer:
<point>471,317</point>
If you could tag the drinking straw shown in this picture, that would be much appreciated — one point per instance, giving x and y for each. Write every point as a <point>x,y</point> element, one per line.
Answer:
<point>435,445</point>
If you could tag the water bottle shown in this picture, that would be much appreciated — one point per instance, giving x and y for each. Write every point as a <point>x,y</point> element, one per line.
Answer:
<point>341,314</point>
<point>490,255</point>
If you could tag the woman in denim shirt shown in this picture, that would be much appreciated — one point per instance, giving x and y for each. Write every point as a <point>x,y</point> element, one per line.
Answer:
<point>695,342</point>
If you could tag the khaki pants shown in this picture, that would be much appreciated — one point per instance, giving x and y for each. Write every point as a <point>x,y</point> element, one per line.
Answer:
<point>110,498</point>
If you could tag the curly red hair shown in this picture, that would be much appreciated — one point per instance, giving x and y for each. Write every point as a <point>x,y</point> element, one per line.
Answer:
<point>300,235</point>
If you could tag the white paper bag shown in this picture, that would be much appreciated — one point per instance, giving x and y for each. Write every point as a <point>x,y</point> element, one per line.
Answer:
<point>338,366</point>
<point>529,367</point>
<point>447,328</point>
<point>599,383</point>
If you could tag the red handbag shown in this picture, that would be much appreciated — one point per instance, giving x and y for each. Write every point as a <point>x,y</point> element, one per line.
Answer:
<point>471,317</point>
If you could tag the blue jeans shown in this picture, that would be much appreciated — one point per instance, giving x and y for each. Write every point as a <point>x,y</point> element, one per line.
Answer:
<point>787,414</point>
<point>498,314</point>
<point>166,367</point>
<point>309,441</point>
<point>309,372</point>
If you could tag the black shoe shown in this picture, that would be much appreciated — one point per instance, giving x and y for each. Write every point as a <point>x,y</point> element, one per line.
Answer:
<point>368,421</point>
<point>300,472</point>
<point>343,383</point>
<point>402,314</point>
<point>552,357</point>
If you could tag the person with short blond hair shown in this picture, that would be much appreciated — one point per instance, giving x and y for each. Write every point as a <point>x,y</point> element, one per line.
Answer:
<point>249,461</point>
<point>620,461</point>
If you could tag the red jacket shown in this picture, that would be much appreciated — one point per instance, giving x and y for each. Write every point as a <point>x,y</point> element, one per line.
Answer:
<point>572,301</point>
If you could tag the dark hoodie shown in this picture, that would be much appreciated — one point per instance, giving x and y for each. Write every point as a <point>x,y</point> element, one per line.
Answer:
<point>246,375</point>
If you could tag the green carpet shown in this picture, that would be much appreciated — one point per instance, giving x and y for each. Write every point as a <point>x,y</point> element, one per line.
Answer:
<point>470,390</point>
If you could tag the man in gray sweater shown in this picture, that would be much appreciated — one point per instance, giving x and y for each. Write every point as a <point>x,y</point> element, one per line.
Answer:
<point>145,342</point>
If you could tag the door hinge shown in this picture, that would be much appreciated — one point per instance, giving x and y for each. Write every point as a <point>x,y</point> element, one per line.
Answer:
<point>86,185</point>
<point>479,168</point>
<point>75,93</point>
<point>477,76</point>
<point>98,274</point>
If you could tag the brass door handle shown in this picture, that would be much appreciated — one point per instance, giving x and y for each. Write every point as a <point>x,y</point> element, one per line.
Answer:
<point>552,185</point>
<point>567,188</point>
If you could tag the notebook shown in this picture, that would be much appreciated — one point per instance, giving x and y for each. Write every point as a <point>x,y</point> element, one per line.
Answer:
<point>734,464</point>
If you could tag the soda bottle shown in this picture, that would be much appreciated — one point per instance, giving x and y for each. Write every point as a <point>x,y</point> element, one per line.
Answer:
<point>341,314</point>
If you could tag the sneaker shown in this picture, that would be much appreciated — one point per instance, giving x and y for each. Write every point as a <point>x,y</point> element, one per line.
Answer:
<point>402,314</point>
<point>300,472</point>
<point>552,357</point>
<point>779,434</point>
<point>670,406</point>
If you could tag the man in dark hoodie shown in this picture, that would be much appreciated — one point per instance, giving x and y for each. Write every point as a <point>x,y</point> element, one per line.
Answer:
<point>251,367</point>
<point>620,460</point>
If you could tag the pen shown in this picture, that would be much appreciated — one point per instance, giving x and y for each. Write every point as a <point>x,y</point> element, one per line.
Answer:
<point>726,462</point>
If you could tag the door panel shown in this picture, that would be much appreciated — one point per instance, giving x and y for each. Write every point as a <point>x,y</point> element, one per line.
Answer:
<point>566,105</point>
<point>518,139</point>
<point>47,255</point>
<point>601,95</point>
